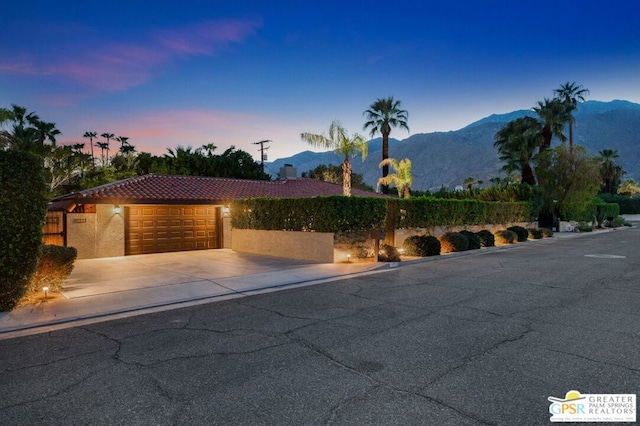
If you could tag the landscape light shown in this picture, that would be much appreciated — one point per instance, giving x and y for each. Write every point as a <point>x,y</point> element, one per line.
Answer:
<point>46,291</point>
<point>348,258</point>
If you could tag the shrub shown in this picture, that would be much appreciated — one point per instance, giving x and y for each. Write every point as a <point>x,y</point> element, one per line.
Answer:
<point>535,234</point>
<point>618,222</point>
<point>474,240</point>
<point>521,233</point>
<point>388,254</point>
<point>546,232</point>
<point>486,238</point>
<point>505,237</point>
<point>421,245</point>
<point>54,266</point>
<point>453,242</point>
<point>23,202</point>
<point>584,227</point>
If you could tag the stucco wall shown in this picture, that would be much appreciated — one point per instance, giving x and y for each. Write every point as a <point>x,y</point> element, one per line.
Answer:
<point>314,246</point>
<point>99,234</point>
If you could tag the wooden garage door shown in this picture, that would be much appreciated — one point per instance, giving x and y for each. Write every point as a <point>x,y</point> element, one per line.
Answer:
<point>159,229</point>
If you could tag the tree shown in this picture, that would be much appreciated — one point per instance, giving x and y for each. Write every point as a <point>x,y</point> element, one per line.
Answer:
<point>568,177</point>
<point>610,171</point>
<point>341,144</point>
<point>553,116</point>
<point>104,146</point>
<point>517,142</point>
<point>629,187</point>
<point>108,137</point>
<point>400,178</point>
<point>334,174</point>
<point>571,94</point>
<point>90,136</point>
<point>383,115</point>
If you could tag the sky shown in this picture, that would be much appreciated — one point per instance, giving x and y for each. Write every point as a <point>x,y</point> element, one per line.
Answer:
<point>194,72</point>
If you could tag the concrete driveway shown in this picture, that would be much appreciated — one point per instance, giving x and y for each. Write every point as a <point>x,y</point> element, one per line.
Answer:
<point>108,288</point>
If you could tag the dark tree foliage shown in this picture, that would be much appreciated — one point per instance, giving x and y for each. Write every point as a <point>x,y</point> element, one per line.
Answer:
<point>333,174</point>
<point>23,202</point>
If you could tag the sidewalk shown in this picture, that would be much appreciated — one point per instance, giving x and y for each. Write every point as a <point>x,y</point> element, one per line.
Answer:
<point>149,283</point>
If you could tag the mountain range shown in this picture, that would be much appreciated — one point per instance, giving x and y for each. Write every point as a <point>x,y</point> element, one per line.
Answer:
<point>448,158</point>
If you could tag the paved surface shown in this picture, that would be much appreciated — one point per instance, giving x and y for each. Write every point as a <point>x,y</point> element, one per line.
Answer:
<point>481,339</point>
<point>101,289</point>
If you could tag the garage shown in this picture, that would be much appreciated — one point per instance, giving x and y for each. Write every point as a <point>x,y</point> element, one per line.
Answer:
<point>167,228</point>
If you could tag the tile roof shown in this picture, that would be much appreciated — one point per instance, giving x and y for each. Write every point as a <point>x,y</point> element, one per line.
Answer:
<point>159,189</point>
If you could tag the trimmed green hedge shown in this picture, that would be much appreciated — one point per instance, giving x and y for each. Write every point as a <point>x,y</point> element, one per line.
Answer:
<point>585,212</point>
<point>320,214</point>
<point>23,203</point>
<point>628,205</point>
<point>431,212</point>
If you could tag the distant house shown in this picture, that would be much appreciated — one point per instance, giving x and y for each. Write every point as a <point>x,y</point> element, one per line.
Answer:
<point>159,213</point>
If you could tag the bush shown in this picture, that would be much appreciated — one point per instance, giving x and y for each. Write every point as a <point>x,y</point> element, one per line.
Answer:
<point>535,234</point>
<point>23,202</point>
<point>453,242</point>
<point>474,240</point>
<point>619,222</point>
<point>505,237</point>
<point>388,254</point>
<point>421,245</point>
<point>546,232</point>
<point>486,238</point>
<point>628,205</point>
<point>521,233</point>
<point>54,266</point>
<point>584,227</point>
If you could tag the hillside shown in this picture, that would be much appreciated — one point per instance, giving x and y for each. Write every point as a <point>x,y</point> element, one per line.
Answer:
<point>447,158</point>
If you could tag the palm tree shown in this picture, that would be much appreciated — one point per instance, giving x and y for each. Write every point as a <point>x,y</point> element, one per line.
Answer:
<point>401,177</point>
<point>104,146</point>
<point>553,116</point>
<point>610,171</point>
<point>382,116</point>
<point>571,94</point>
<point>341,144</point>
<point>517,142</point>
<point>90,136</point>
<point>107,136</point>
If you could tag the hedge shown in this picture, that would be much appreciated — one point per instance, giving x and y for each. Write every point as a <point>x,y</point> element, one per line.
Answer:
<point>23,202</point>
<point>429,212</point>
<point>585,212</point>
<point>54,266</point>
<point>628,205</point>
<point>320,214</point>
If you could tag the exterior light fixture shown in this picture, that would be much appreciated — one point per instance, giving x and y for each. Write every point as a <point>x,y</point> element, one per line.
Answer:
<point>348,258</point>
<point>117,209</point>
<point>46,292</point>
<point>225,210</point>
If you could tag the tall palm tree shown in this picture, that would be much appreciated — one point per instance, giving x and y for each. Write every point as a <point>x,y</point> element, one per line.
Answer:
<point>104,146</point>
<point>401,177</point>
<point>611,172</point>
<point>383,115</point>
<point>553,116</point>
<point>517,142</point>
<point>571,94</point>
<point>341,144</point>
<point>108,137</point>
<point>90,136</point>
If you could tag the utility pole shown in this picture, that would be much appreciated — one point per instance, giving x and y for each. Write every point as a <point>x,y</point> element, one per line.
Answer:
<point>262,149</point>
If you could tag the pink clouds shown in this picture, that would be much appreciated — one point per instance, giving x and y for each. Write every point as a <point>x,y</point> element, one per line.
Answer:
<point>116,67</point>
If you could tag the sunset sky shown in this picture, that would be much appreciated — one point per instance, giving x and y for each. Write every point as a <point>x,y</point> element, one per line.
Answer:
<point>168,73</point>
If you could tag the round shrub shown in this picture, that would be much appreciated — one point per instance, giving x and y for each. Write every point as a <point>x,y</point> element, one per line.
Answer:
<point>546,232</point>
<point>521,233</point>
<point>453,242</point>
<point>421,245</point>
<point>486,238</point>
<point>388,254</point>
<point>54,266</point>
<point>474,240</point>
<point>505,237</point>
<point>535,234</point>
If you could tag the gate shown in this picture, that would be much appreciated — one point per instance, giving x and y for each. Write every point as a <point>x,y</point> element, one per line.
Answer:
<point>53,230</point>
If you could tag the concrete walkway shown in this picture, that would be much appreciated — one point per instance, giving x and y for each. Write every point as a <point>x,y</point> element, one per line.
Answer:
<point>110,288</point>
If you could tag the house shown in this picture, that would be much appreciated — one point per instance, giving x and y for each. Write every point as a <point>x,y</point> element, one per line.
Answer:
<point>160,213</point>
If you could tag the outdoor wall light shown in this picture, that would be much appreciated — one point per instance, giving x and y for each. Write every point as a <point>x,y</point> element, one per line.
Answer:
<point>225,210</point>
<point>117,209</point>
<point>46,292</point>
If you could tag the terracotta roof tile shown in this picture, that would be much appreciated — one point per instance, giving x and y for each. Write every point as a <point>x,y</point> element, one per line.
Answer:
<point>156,189</point>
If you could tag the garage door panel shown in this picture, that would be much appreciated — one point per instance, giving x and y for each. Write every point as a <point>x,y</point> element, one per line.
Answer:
<point>156,229</point>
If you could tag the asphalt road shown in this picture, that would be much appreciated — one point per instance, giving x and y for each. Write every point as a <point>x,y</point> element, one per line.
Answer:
<point>469,340</point>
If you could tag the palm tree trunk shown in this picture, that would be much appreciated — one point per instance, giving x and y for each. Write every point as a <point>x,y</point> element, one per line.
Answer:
<point>527,174</point>
<point>570,135</point>
<point>406,192</point>
<point>346,177</point>
<point>385,155</point>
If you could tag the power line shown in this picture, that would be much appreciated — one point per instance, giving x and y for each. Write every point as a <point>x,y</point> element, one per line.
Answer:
<point>262,150</point>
